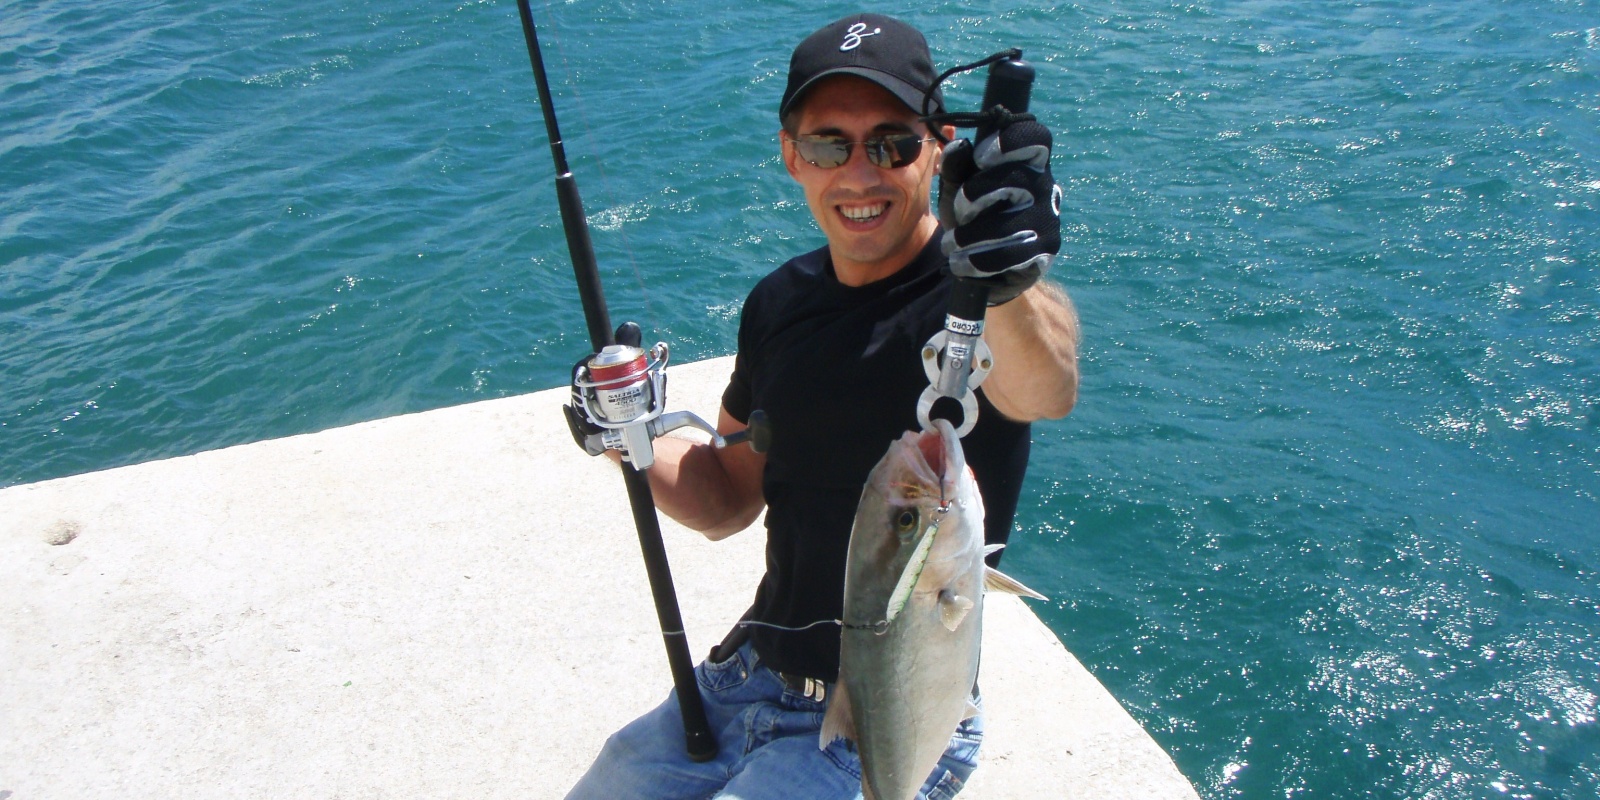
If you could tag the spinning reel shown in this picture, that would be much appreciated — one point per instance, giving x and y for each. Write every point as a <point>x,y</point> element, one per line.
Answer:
<point>618,395</point>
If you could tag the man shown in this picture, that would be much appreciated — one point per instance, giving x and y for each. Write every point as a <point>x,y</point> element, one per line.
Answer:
<point>829,348</point>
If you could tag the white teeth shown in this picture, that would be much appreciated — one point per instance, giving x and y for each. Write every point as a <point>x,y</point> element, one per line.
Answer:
<point>864,213</point>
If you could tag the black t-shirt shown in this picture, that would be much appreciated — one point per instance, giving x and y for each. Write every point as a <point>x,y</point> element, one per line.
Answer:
<point>838,371</point>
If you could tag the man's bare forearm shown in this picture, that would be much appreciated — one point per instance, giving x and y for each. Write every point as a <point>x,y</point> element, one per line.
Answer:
<point>716,492</point>
<point>1035,343</point>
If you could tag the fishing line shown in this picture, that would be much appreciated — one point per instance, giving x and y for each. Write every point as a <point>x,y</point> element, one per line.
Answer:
<point>913,572</point>
<point>599,163</point>
<point>878,627</point>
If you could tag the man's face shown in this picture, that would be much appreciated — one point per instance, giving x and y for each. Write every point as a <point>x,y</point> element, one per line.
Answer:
<point>876,219</point>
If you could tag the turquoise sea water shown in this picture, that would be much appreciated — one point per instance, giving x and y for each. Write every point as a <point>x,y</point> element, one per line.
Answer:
<point>1326,518</point>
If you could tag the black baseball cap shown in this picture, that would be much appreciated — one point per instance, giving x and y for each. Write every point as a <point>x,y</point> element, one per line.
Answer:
<point>881,49</point>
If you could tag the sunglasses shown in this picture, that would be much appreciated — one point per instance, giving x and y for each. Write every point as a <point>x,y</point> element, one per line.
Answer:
<point>891,151</point>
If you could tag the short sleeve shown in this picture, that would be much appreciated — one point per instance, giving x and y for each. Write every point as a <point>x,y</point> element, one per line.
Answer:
<point>738,398</point>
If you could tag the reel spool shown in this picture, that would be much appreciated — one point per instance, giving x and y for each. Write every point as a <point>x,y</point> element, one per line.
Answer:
<point>623,388</point>
<point>623,385</point>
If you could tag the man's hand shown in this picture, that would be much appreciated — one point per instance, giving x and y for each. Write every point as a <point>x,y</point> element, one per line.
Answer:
<point>1000,208</point>
<point>584,432</point>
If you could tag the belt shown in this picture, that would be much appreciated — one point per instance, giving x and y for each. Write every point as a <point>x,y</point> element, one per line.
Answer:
<point>812,688</point>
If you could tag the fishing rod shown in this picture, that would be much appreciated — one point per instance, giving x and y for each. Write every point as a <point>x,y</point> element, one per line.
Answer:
<point>956,359</point>
<point>618,396</point>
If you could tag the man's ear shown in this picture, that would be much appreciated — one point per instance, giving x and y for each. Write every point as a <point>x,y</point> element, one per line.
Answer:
<point>949,132</point>
<point>789,154</point>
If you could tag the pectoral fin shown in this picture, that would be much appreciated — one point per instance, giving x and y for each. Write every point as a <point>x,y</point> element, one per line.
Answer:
<point>996,581</point>
<point>991,549</point>
<point>972,710</point>
<point>953,609</point>
<point>838,722</point>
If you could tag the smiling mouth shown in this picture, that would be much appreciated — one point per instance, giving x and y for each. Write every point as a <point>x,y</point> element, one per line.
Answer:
<point>863,213</point>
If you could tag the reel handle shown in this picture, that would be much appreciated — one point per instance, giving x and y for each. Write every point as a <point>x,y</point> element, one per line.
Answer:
<point>758,434</point>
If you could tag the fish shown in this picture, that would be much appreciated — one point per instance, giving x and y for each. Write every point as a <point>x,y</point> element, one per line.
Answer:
<point>913,612</point>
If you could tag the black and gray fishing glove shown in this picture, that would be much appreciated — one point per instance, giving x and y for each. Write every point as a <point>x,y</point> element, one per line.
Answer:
<point>1000,208</point>
<point>584,432</point>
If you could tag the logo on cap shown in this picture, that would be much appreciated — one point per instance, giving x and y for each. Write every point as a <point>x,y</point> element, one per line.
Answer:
<point>854,35</point>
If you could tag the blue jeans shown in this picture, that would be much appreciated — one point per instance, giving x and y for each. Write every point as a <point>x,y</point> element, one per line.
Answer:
<point>767,747</point>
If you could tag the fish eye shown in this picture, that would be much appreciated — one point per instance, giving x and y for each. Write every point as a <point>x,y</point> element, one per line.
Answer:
<point>907,521</point>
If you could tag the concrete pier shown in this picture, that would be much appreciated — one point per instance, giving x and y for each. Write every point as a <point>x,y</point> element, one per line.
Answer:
<point>414,607</point>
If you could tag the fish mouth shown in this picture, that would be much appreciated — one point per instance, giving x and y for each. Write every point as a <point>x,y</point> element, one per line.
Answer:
<point>941,452</point>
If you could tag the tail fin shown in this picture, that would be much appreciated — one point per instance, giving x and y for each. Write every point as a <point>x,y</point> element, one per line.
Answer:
<point>838,722</point>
